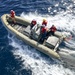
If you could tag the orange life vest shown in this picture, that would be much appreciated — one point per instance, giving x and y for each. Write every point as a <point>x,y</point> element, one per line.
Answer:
<point>12,14</point>
<point>43,30</point>
<point>44,23</point>
<point>33,22</point>
<point>53,28</point>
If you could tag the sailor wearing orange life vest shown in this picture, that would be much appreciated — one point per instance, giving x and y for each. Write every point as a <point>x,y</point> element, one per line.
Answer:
<point>33,23</point>
<point>43,30</point>
<point>44,22</point>
<point>52,30</point>
<point>12,15</point>
<point>43,33</point>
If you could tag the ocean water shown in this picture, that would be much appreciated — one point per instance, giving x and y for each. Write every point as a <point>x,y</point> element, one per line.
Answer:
<point>18,58</point>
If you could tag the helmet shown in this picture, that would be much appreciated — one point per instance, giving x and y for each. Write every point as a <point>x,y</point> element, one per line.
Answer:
<point>44,19</point>
<point>53,25</point>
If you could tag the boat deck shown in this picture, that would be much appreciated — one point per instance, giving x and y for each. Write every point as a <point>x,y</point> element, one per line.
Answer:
<point>19,27</point>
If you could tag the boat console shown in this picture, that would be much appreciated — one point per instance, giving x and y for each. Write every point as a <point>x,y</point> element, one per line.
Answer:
<point>51,41</point>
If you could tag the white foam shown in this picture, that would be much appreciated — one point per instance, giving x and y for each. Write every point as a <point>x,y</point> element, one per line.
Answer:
<point>34,61</point>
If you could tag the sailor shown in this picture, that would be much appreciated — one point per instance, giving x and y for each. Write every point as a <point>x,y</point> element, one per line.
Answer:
<point>44,22</point>
<point>52,30</point>
<point>43,33</point>
<point>33,23</point>
<point>12,15</point>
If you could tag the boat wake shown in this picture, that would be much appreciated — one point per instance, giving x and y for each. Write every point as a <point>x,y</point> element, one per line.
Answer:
<point>70,45</point>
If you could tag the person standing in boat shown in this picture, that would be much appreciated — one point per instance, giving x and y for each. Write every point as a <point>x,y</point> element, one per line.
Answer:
<point>52,30</point>
<point>12,15</point>
<point>33,23</point>
<point>43,33</point>
<point>43,30</point>
<point>44,24</point>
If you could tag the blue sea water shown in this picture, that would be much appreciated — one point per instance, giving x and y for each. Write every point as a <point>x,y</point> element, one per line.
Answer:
<point>16,57</point>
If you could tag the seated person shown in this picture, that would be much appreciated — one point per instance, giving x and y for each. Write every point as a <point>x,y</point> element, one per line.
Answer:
<point>33,23</point>
<point>12,15</point>
<point>44,22</point>
<point>51,30</point>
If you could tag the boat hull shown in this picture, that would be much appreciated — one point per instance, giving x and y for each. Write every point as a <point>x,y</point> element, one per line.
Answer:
<point>26,39</point>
